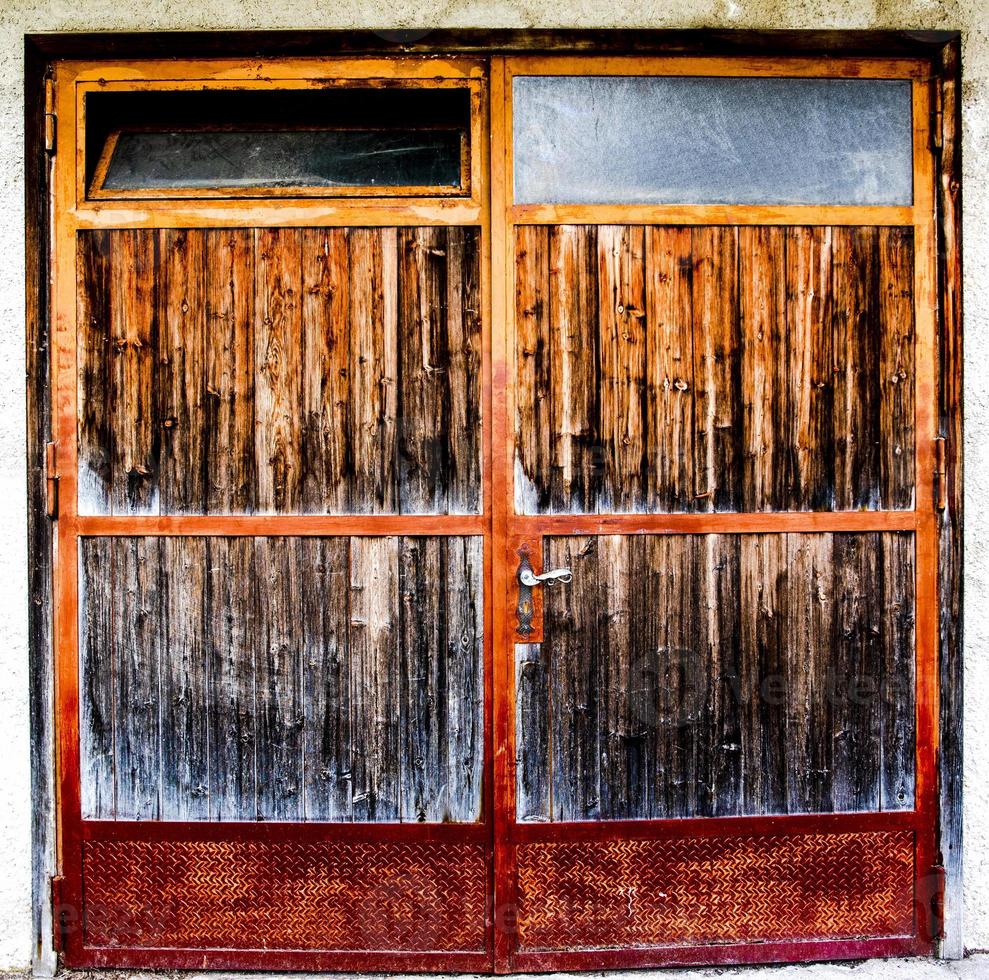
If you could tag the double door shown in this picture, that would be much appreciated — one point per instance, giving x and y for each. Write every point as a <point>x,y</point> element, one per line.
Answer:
<point>486,540</point>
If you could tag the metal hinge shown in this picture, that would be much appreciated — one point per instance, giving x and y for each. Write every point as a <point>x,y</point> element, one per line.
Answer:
<point>937,116</point>
<point>59,917</point>
<point>940,473</point>
<point>51,480</point>
<point>51,119</point>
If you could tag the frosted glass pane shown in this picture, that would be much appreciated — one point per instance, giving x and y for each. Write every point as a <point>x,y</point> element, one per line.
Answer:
<point>647,140</point>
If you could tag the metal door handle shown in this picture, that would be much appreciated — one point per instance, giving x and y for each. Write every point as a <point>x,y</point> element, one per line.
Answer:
<point>563,575</point>
<point>527,579</point>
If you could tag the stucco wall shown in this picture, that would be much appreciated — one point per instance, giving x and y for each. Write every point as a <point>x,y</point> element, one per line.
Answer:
<point>18,17</point>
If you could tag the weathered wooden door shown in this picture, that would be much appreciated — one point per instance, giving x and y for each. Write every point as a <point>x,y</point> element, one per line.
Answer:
<point>272,537</point>
<point>351,356</point>
<point>718,284</point>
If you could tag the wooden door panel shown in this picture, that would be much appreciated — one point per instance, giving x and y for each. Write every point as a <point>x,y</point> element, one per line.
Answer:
<point>289,371</point>
<point>720,675</point>
<point>282,678</point>
<point>677,369</point>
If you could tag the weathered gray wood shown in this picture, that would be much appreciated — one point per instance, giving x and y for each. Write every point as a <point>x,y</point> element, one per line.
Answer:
<point>185,700</point>
<point>180,371</point>
<point>282,678</point>
<point>718,460</point>
<point>424,751</point>
<point>897,697</point>
<point>374,369</point>
<point>278,681</point>
<point>461,431</point>
<point>809,672</point>
<point>724,369</point>
<point>133,330</point>
<point>723,674</point>
<point>857,660</point>
<point>720,615</point>
<point>324,585</point>
<point>764,597</point>
<point>95,412</point>
<point>232,603</point>
<point>137,670</point>
<point>278,368</point>
<point>325,371</point>
<point>532,733</point>
<point>464,651</point>
<point>375,673</point>
<point>96,678</point>
<point>228,406</point>
<point>574,653</point>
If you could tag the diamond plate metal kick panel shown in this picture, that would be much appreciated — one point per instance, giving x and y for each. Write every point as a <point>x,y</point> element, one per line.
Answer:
<point>640,893</point>
<point>415,896</point>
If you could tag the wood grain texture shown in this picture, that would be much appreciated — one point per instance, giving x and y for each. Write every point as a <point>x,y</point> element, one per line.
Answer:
<point>290,371</point>
<point>282,678</point>
<point>717,369</point>
<point>695,675</point>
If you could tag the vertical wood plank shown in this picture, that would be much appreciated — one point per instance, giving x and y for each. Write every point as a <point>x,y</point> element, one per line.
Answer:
<point>232,602</point>
<point>375,672</point>
<point>374,369</point>
<point>808,667</point>
<point>623,779</point>
<point>324,580</point>
<point>97,681</point>
<point>464,593</point>
<point>897,464</point>
<point>683,676</point>
<point>423,753</point>
<point>137,655</point>
<point>574,657</point>
<point>763,614</point>
<point>897,691</point>
<point>533,379</point>
<point>857,658</point>
<point>278,368</point>
<point>857,386</point>
<point>669,370</point>
<point>641,724</point>
<point>721,615</point>
<point>532,733</point>
<point>185,704</point>
<point>326,467</point>
<point>621,317</point>
<point>134,328</point>
<point>462,429</point>
<point>278,680</point>
<point>423,358</point>
<point>571,316</point>
<point>768,470</point>
<point>228,402</point>
<point>181,370</point>
<point>718,457</point>
<point>808,330</point>
<point>96,422</point>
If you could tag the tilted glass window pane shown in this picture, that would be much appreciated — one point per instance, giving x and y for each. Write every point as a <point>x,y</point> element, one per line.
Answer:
<point>664,140</point>
<point>279,158</point>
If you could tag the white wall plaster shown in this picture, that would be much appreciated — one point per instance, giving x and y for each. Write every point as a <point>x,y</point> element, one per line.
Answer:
<point>18,17</point>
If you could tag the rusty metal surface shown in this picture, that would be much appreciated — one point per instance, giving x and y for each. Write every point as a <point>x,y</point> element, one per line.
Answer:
<point>638,893</point>
<point>323,895</point>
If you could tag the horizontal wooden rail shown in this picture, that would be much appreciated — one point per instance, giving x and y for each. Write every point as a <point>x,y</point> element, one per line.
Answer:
<point>284,524</point>
<point>749,523</point>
